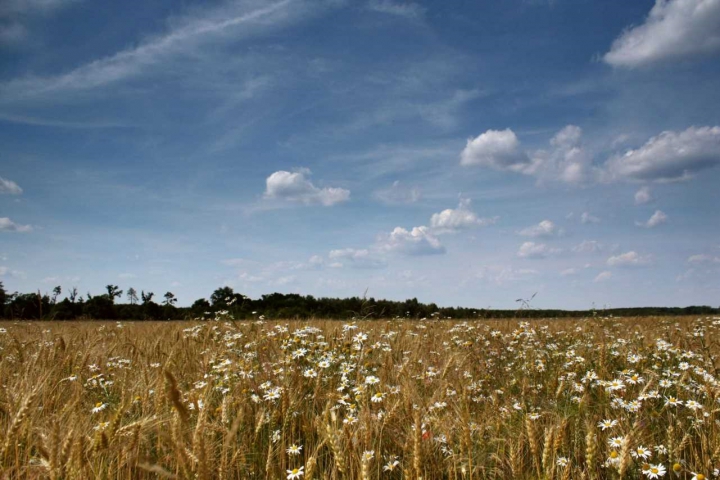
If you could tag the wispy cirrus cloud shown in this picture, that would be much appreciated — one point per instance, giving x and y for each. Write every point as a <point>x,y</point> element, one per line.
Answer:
<point>230,21</point>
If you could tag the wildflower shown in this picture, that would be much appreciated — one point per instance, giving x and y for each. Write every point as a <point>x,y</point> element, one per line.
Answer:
<point>310,373</point>
<point>378,397</point>
<point>295,473</point>
<point>562,462</point>
<point>99,407</point>
<point>368,455</point>
<point>641,452</point>
<point>672,402</point>
<point>616,442</point>
<point>391,464</point>
<point>697,476</point>
<point>605,424</point>
<point>371,380</point>
<point>655,471</point>
<point>693,405</point>
<point>294,449</point>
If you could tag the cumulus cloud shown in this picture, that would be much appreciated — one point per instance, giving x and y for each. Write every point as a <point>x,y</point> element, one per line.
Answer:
<point>603,276</point>
<point>587,217</point>
<point>498,149</point>
<point>565,161</point>
<point>657,218</point>
<point>536,250</point>
<point>451,220</point>
<point>295,187</point>
<point>8,187</point>
<point>669,156</point>
<point>7,225</point>
<point>629,259</point>
<point>546,228</point>
<point>398,194</point>
<point>418,241</point>
<point>569,272</point>
<point>703,258</point>
<point>643,196</point>
<point>588,246</point>
<point>673,29</point>
<point>357,258</point>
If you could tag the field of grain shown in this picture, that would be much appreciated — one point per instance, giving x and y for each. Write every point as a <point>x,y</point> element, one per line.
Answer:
<point>568,399</point>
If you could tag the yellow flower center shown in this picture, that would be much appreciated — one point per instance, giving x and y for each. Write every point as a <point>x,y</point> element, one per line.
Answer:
<point>613,454</point>
<point>654,470</point>
<point>677,467</point>
<point>700,476</point>
<point>98,405</point>
<point>295,470</point>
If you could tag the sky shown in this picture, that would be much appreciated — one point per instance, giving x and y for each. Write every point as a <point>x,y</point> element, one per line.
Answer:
<point>466,153</point>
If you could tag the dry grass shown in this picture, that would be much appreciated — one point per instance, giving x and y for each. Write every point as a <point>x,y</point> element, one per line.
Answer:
<point>380,399</point>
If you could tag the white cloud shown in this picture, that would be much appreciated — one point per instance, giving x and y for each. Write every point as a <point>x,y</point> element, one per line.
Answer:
<point>498,149</point>
<point>603,276</point>
<point>418,241</point>
<point>546,228</point>
<point>566,161</point>
<point>398,194</point>
<point>588,246</point>
<point>629,259</point>
<point>703,258</point>
<point>402,9</point>
<point>536,250</point>
<point>674,29</point>
<point>7,225</point>
<point>357,258</point>
<point>568,272</point>
<point>294,187</point>
<point>657,218</point>
<point>669,156</point>
<point>450,220</point>
<point>503,275</point>
<point>586,217</point>
<point>127,276</point>
<point>6,272</point>
<point>643,196</point>
<point>219,23</point>
<point>9,187</point>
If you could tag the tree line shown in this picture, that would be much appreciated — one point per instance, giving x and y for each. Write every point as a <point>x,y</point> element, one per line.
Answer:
<point>143,306</point>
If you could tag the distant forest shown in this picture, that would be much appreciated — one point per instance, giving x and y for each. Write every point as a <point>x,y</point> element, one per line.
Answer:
<point>143,306</point>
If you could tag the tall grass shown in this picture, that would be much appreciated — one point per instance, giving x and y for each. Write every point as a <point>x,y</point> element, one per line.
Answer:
<point>591,398</point>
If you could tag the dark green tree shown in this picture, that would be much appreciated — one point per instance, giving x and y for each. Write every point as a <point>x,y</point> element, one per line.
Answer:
<point>73,295</point>
<point>56,293</point>
<point>132,296</point>
<point>146,297</point>
<point>113,292</point>
<point>169,298</point>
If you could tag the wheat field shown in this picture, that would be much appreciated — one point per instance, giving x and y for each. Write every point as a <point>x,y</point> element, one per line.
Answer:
<point>554,399</point>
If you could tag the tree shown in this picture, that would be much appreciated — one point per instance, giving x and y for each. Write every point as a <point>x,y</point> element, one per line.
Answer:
<point>146,297</point>
<point>170,298</point>
<point>132,296</point>
<point>113,291</point>
<point>222,296</point>
<point>3,297</point>
<point>73,295</point>
<point>56,293</point>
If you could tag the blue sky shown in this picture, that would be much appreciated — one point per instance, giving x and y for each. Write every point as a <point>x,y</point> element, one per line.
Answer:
<point>464,153</point>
